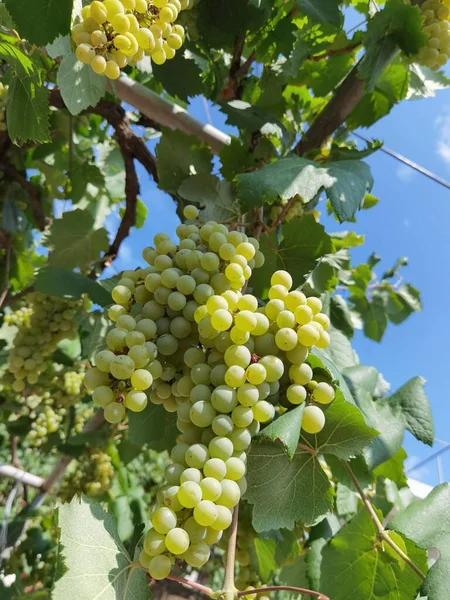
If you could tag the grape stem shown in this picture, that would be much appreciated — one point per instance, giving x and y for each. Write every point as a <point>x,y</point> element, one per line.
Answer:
<point>287,588</point>
<point>193,584</point>
<point>229,591</point>
<point>383,534</point>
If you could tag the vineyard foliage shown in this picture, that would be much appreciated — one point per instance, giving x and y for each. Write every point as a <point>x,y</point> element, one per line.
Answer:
<point>254,305</point>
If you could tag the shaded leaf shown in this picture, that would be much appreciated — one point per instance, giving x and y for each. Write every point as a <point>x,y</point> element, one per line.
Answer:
<point>80,86</point>
<point>28,16</point>
<point>214,194</point>
<point>58,281</point>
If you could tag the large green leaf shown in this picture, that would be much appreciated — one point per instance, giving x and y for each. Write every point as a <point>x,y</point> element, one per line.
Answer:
<point>284,491</point>
<point>150,426</point>
<point>27,113</point>
<point>74,242</point>
<point>216,196</point>
<point>408,408</point>
<point>93,329</point>
<point>92,558</point>
<point>190,84</point>
<point>57,281</point>
<point>178,156</point>
<point>80,87</point>
<point>321,11</point>
<point>40,21</point>
<point>345,183</point>
<point>424,83</point>
<point>357,565</point>
<point>285,430</point>
<point>427,522</point>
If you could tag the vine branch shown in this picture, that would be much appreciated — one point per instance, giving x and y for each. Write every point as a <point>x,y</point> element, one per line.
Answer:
<point>193,584</point>
<point>379,525</point>
<point>286,588</point>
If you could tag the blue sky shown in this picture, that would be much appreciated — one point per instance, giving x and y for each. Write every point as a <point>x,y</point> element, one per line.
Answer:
<point>412,219</point>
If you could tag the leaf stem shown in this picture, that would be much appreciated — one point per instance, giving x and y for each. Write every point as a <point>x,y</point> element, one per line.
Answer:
<point>379,525</point>
<point>229,590</point>
<point>193,584</point>
<point>287,588</point>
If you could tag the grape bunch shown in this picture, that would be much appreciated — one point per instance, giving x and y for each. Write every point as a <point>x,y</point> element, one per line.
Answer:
<point>115,33</point>
<point>188,337</point>
<point>436,52</point>
<point>91,474</point>
<point>20,317</point>
<point>49,321</point>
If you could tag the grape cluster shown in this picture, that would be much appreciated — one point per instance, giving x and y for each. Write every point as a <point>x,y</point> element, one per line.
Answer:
<point>3,96</point>
<point>115,33</point>
<point>50,321</point>
<point>188,337</point>
<point>91,474</point>
<point>296,209</point>
<point>20,317</point>
<point>436,52</point>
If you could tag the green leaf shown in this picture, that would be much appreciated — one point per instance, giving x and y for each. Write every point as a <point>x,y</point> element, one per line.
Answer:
<point>189,84</point>
<point>29,15</point>
<point>93,330</point>
<point>340,350</point>
<point>95,562</point>
<point>74,242</point>
<point>345,183</point>
<point>321,11</point>
<point>408,408</point>
<point>394,468</point>
<point>27,109</point>
<point>216,196</point>
<point>60,47</point>
<point>285,430</point>
<point>259,283</point>
<point>340,315</point>
<point>58,281</point>
<point>276,487</point>
<point>347,500</point>
<point>178,156</point>
<point>80,87</point>
<point>357,565</point>
<point>265,550</point>
<point>424,83</point>
<point>304,243</point>
<point>150,426</point>
<point>427,523</point>
<point>252,118</point>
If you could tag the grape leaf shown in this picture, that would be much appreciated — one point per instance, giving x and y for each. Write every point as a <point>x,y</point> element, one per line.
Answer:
<point>284,491</point>
<point>321,11</point>
<point>408,408</point>
<point>93,329</point>
<point>285,430</point>
<point>424,83</point>
<point>427,523</point>
<point>178,156</point>
<point>57,281</point>
<point>190,84</point>
<point>216,195</point>
<point>92,558</point>
<point>357,565</point>
<point>80,87</point>
<point>345,183</point>
<point>27,109</point>
<point>149,426</point>
<point>74,242</point>
<point>30,15</point>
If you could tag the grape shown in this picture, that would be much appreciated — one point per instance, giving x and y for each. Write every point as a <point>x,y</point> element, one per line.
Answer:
<point>178,453</point>
<point>313,419</point>
<point>189,494</point>
<point>154,543</point>
<point>281,278</point>
<point>213,536</point>
<point>141,379</point>
<point>116,338</point>
<point>278,292</point>
<point>196,532</point>
<point>136,401</point>
<point>231,493</point>
<point>242,416</point>
<point>159,567</point>
<point>286,339</point>
<point>173,473</point>
<point>301,374</point>
<point>296,394</point>
<point>224,399</point>
<point>95,378</point>
<point>255,374</point>
<point>170,498</point>
<point>122,367</point>
<point>177,541</point>
<point>221,320</point>
<point>144,559</point>
<point>285,318</point>
<point>298,355</point>
<point>314,304</point>
<point>308,335</point>
<point>263,411</point>
<point>246,321</point>
<point>223,520</point>
<point>237,356</point>
<point>303,314</point>
<point>323,393</point>
<point>274,368</point>
<point>197,455</point>
<point>235,376</point>
<point>211,488</point>
<point>241,438</point>
<point>215,468</point>
<point>197,555</point>
<point>235,468</point>
<point>294,299</point>
<point>189,211</point>
<point>205,513</point>
<point>202,414</point>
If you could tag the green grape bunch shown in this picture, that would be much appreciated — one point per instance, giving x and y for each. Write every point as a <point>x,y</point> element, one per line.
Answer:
<point>187,336</point>
<point>115,33</point>
<point>436,51</point>
<point>91,474</point>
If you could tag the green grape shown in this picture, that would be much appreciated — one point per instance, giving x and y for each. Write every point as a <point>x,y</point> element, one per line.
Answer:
<point>221,320</point>
<point>147,327</point>
<point>173,472</point>
<point>241,438</point>
<point>136,401</point>
<point>230,495</point>
<point>263,411</point>
<point>313,419</point>
<point>197,555</point>
<point>245,321</point>
<point>248,394</point>
<point>126,322</point>
<point>122,367</point>
<point>200,393</point>
<point>324,393</point>
<point>191,474</point>
<point>274,368</point>
<point>139,355</point>
<point>159,567</point>
<point>116,339</point>
<point>170,498</point>
<point>196,456</point>
<point>222,425</point>
<point>213,536</point>
<point>235,468</point>
<point>298,355</point>
<point>178,453</point>
<point>224,399</point>
<point>308,335</point>
<point>314,304</point>
<point>164,519</point>
<point>238,336</point>
<point>167,344</point>
<point>154,543</point>
<point>286,339</point>
<point>121,294</point>
<point>296,394</point>
<point>180,328</point>
<point>103,395</point>
<point>237,356</point>
<point>114,412</point>
<point>103,360</point>
<point>141,379</point>
<point>303,315</point>
<point>294,299</point>
<point>202,413</point>
<point>281,278</point>
<point>189,494</point>
<point>205,513</point>
<point>177,541</point>
<point>223,520</point>
<point>262,325</point>
<point>144,559</point>
<point>242,416</point>
<point>215,467</point>
<point>196,532</point>
<point>200,374</point>
<point>95,378</point>
<point>211,488</point>
<point>221,447</point>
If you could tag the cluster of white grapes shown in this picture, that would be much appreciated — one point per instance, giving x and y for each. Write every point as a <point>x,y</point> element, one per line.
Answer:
<point>46,322</point>
<point>436,52</point>
<point>188,337</point>
<point>115,33</point>
<point>91,474</point>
